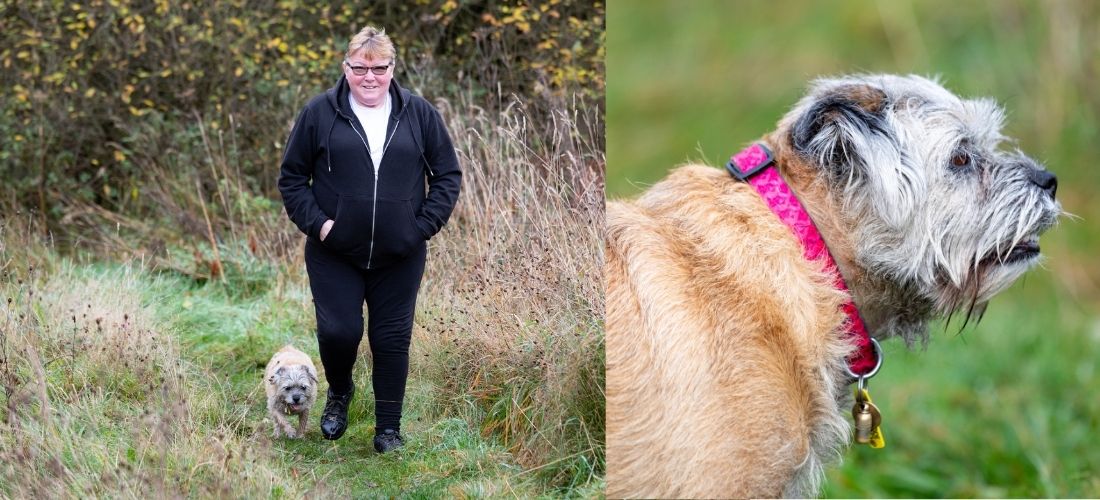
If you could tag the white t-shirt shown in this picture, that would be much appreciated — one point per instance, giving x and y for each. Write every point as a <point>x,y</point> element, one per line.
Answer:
<point>374,122</point>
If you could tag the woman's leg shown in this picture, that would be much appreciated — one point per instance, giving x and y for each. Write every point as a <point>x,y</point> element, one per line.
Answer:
<point>391,301</point>
<point>337,287</point>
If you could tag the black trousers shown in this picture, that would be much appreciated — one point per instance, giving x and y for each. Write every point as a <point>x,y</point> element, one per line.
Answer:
<point>340,287</point>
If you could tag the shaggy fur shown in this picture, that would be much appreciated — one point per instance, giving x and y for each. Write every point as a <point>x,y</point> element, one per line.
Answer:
<point>290,381</point>
<point>725,348</point>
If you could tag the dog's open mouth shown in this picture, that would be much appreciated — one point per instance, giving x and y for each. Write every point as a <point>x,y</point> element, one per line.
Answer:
<point>294,408</point>
<point>1021,252</point>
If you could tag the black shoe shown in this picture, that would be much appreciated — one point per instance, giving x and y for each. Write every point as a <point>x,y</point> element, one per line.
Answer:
<point>334,420</point>
<point>387,440</point>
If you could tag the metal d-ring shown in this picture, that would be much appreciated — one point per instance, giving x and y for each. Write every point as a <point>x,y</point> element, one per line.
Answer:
<point>862,379</point>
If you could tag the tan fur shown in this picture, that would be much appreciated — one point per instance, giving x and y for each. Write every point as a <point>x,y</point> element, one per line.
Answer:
<point>721,340</point>
<point>288,357</point>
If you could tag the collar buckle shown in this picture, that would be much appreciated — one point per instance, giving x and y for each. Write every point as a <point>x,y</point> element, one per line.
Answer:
<point>750,161</point>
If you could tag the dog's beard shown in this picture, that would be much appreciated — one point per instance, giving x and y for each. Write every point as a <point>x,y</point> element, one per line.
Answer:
<point>968,240</point>
<point>1004,248</point>
<point>292,407</point>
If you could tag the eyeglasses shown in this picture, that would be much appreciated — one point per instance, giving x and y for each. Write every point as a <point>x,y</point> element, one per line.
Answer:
<point>362,70</point>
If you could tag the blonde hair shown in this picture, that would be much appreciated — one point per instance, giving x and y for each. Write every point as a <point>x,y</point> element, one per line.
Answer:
<point>373,43</point>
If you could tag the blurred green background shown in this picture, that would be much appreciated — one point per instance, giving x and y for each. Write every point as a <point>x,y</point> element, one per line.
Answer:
<point>1006,408</point>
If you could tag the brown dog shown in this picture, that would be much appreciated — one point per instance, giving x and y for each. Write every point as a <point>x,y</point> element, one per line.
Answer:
<point>726,349</point>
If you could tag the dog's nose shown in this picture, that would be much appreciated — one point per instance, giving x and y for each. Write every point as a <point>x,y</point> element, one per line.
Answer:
<point>296,398</point>
<point>1045,180</point>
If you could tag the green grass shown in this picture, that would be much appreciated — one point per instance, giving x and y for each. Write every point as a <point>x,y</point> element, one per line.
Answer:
<point>1001,410</point>
<point>1004,408</point>
<point>170,399</point>
<point>234,342</point>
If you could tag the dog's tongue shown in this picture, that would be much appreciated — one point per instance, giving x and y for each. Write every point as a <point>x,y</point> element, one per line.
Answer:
<point>294,407</point>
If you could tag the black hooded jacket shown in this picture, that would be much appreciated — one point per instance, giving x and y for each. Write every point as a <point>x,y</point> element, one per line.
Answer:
<point>327,173</point>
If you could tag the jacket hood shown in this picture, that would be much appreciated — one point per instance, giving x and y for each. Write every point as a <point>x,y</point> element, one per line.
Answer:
<point>338,96</point>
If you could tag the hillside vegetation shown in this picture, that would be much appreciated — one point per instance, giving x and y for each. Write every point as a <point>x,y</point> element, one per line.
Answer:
<point>148,271</point>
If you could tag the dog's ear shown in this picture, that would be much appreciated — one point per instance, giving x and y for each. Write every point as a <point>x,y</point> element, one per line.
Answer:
<point>845,130</point>
<point>280,370</point>
<point>312,374</point>
<point>838,123</point>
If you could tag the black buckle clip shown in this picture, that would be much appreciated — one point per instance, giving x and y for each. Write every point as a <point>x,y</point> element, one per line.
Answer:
<point>744,176</point>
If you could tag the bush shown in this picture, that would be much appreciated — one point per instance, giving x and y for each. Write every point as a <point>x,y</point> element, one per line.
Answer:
<point>89,81</point>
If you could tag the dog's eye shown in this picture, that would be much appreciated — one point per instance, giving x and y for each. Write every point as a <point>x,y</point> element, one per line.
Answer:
<point>961,159</point>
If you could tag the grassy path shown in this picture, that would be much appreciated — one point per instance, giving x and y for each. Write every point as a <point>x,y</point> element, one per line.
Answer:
<point>232,338</point>
<point>153,384</point>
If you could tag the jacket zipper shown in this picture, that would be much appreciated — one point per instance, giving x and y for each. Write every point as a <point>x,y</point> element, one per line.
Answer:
<point>374,199</point>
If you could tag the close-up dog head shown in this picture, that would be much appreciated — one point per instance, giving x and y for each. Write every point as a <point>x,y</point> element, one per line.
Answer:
<point>939,202</point>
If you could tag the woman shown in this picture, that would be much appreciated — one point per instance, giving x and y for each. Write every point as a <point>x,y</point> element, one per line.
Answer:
<point>353,180</point>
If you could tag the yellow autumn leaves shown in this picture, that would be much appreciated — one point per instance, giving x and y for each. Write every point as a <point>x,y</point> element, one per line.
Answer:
<point>88,79</point>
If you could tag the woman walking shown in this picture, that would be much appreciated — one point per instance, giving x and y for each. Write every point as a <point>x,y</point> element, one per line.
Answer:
<point>369,175</point>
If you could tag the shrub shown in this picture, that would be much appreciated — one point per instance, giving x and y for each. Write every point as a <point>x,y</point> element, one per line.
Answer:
<point>90,80</point>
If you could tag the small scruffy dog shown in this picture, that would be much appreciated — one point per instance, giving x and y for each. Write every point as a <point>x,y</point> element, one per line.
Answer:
<point>291,383</point>
<point>726,348</point>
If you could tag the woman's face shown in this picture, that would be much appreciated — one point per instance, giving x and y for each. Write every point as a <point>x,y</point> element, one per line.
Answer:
<point>369,89</point>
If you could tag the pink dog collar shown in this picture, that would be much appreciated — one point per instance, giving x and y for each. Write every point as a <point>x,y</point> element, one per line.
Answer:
<point>756,166</point>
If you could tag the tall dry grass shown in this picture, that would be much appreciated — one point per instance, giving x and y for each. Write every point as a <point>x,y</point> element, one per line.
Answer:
<point>511,312</point>
<point>98,401</point>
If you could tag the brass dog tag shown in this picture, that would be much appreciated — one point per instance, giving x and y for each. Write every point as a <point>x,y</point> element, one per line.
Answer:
<point>867,419</point>
<point>862,415</point>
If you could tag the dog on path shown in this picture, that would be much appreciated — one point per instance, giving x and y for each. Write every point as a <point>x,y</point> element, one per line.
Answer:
<point>727,348</point>
<point>290,381</point>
